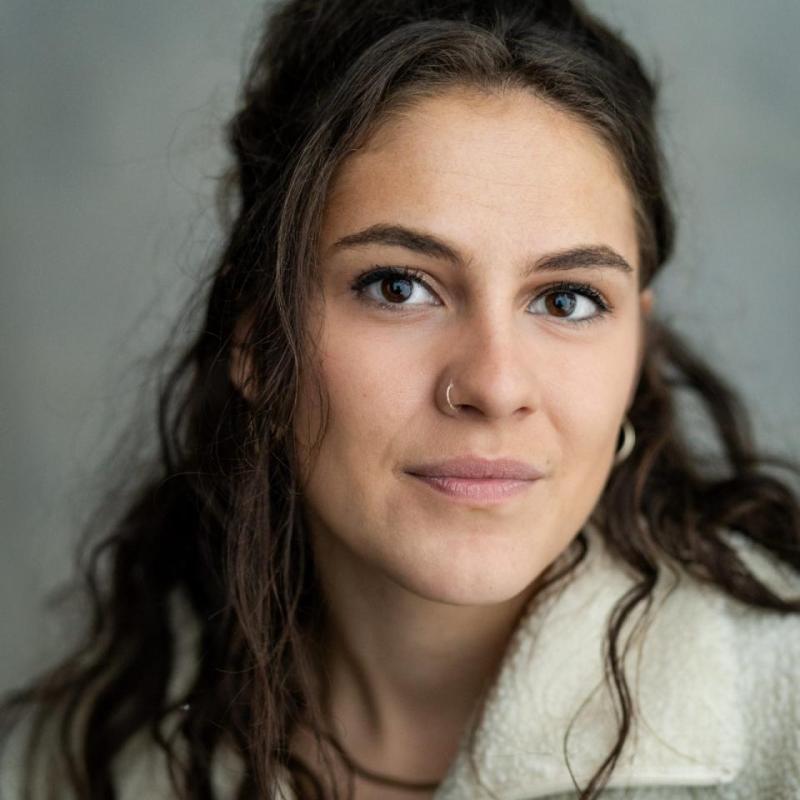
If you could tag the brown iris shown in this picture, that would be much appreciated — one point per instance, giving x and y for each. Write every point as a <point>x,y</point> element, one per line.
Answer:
<point>561,304</point>
<point>395,293</point>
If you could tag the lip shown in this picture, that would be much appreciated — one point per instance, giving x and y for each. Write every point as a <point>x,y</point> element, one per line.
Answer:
<point>473,480</point>
<point>477,468</point>
<point>476,490</point>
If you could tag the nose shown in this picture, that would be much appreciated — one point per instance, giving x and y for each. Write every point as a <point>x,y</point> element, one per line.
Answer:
<point>492,368</point>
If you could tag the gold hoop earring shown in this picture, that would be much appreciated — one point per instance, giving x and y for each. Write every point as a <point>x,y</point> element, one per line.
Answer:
<point>628,441</point>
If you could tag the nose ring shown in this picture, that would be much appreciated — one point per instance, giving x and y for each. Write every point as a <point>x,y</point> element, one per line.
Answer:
<point>447,395</point>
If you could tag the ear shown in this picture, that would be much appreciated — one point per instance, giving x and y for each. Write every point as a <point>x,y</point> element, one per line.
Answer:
<point>240,368</point>
<point>646,301</point>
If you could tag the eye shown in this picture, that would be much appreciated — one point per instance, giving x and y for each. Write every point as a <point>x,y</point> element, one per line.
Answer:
<point>576,303</point>
<point>393,286</point>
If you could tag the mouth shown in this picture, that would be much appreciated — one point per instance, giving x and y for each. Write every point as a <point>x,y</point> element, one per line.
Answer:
<point>472,479</point>
<point>485,491</point>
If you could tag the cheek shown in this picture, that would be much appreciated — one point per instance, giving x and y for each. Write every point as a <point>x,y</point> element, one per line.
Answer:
<point>373,382</point>
<point>368,378</point>
<point>588,406</point>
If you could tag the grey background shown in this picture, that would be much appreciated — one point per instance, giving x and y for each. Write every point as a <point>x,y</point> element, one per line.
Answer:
<point>110,141</point>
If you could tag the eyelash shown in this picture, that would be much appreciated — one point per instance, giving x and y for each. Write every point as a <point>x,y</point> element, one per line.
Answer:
<point>366,279</point>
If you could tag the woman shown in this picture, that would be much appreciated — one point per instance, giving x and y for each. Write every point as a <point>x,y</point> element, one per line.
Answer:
<point>426,521</point>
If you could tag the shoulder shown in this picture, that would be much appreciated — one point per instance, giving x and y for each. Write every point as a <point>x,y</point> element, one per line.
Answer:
<point>716,703</point>
<point>766,640</point>
<point>765,650</point>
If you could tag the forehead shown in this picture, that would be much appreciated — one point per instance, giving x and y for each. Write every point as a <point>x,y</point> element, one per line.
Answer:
<point>485,170</point>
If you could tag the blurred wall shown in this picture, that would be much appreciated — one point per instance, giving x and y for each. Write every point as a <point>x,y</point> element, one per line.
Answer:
<point>110,141</point>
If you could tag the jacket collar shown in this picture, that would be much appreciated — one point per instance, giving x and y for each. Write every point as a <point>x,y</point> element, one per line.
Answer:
<point>688,728</point>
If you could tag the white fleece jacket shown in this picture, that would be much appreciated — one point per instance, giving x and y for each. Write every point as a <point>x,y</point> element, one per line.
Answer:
<point>716,686</point>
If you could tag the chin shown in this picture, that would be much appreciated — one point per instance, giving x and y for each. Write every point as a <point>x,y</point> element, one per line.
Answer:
<point>465,593</point>
<point>470,578</point>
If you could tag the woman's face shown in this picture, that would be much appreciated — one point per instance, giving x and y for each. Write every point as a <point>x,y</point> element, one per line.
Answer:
<point>494,201</point>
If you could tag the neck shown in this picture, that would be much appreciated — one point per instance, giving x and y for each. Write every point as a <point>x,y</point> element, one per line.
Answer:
<point>403,673</point>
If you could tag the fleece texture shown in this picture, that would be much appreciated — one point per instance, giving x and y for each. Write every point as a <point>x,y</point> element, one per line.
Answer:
<point>716,686</point>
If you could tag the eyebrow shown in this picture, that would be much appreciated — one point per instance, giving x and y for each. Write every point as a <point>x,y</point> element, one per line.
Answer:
<point>589,256</point>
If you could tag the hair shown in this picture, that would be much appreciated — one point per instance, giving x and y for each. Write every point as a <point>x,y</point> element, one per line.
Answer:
<point>216,522</point>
